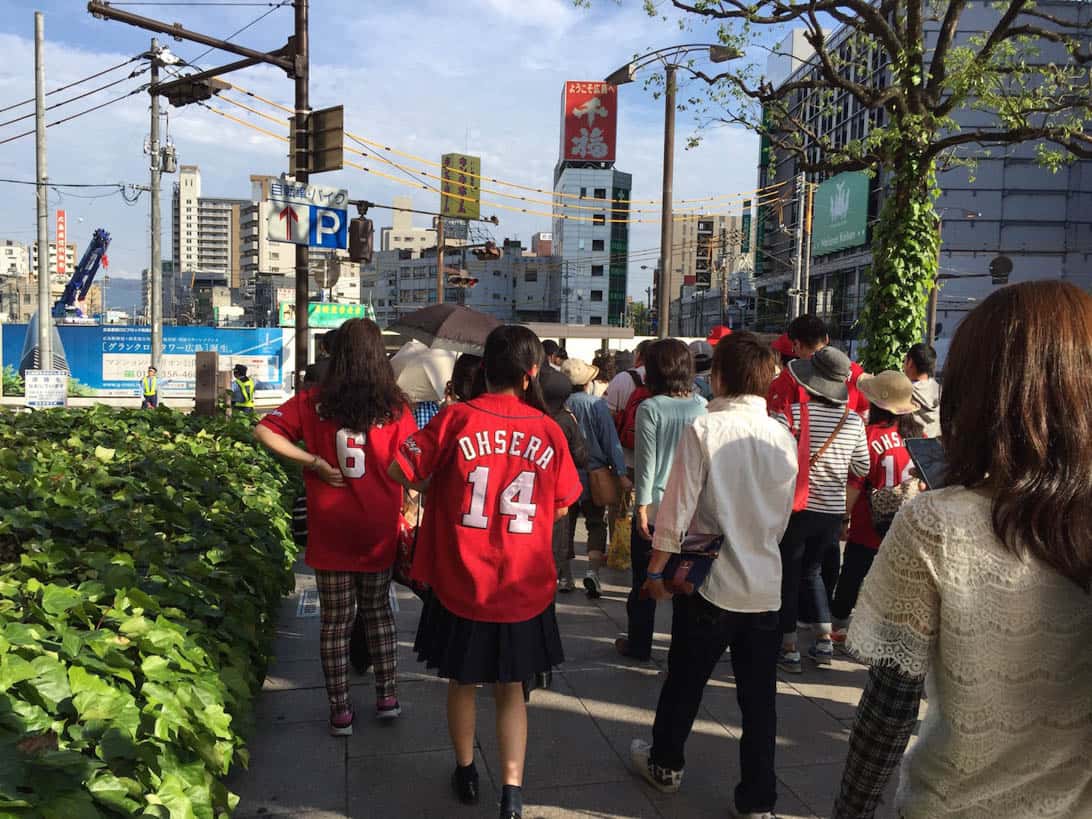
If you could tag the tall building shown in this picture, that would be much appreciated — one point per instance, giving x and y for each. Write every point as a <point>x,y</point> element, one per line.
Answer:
<point>51,265</point>
<point>14,258</point>
<point>206,231</point>
<point>402,235</point>
<point>705,250</point>
<point>591,209</point>
<point>593,245</point>
<point>1014,209</point>
<point>542,244</point>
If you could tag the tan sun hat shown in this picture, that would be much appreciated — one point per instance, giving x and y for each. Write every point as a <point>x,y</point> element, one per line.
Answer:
<point>890,390</point>
<point>579,372</point>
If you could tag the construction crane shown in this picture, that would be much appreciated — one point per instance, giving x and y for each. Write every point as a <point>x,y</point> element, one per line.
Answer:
<point>68,306</point>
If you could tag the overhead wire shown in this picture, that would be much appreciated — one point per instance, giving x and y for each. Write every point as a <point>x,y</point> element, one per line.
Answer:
<point>494,180</point>
<point>72,84</point>
<point>239,31</point>
<point>130,76</point>
<point>457,197</point>
<point>75,116</point>
<point>679,213</point>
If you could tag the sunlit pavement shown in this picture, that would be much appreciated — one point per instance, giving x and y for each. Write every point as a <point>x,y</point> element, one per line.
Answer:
<point>580,731</point>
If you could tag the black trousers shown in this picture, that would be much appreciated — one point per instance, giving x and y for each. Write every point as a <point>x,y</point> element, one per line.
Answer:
<point>858,560</point>
<point>804,547</point>
<point>700,632</point>
<point>640,614</point>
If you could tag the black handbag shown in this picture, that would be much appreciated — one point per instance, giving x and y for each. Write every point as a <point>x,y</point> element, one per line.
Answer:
<point>686,572</point>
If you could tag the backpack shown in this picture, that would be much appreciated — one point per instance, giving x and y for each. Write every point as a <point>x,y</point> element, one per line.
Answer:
<point>627,434</point>
<point>619,417</point>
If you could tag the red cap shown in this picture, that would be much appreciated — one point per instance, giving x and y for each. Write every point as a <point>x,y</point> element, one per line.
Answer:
<point>783,345</point>
<point>717,333</point>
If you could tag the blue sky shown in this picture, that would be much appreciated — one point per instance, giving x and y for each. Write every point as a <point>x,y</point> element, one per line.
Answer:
<point>426,77</point>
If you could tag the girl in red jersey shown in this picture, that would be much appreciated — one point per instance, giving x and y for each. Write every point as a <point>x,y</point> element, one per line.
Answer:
<point>351,424</point>
<point>498,473</point>
<point>890,420</point>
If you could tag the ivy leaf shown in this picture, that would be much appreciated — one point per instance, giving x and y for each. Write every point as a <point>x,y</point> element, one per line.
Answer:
<point>112,792</point>
<point>104,454</point>
<point>58,599</point>
<point>50,682</point>
<point>69,805</point>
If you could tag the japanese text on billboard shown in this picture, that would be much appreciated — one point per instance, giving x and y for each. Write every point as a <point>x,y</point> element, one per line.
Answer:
<point>462,187</point>
<point>62,244</point>
<point>589,112</point>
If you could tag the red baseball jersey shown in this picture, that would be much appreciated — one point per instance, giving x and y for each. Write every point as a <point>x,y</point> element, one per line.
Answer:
<point>890,465</point>
<point>351,528</point>
<point>499,471</point>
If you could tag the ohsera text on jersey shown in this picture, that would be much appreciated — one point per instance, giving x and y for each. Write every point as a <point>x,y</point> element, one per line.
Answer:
<point>481,444</point>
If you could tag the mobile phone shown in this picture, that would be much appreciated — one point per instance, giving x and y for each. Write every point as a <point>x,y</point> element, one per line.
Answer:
<point>928,456</point>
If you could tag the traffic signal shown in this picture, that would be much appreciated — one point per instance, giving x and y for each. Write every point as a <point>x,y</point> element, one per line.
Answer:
<point>460,278</point>
<point>361,235</point>
<point>488,251</point>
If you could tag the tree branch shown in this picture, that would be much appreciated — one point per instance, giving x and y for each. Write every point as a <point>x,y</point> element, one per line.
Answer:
<point>938,69</point>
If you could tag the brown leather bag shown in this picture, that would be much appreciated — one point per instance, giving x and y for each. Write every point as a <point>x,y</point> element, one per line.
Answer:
<point>604,486</point>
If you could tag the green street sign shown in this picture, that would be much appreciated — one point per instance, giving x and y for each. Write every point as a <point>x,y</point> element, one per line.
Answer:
<point>841,213</point>
<point>323,314</point>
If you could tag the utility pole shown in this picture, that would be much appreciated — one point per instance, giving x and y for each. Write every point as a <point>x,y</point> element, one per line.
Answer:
<point>303,112</point>
<point>155,266</point>
<point>663,294</point>
<point>45,317</point>
<point>440,259</point>
<point>798,262</point>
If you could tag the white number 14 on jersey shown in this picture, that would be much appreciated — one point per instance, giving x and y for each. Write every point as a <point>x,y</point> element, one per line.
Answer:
<point>515,501</point>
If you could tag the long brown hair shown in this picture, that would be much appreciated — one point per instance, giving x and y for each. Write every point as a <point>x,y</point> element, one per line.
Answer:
<point>359,390</point>
<point>1016,415</point>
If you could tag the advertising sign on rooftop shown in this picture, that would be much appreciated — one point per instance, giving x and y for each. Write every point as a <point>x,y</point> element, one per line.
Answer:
<point>841,213</point>
<point>462,189</point>
<point>589,121</point>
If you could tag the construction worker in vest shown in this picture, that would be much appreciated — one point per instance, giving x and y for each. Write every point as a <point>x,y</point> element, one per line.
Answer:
<point>242,389</point>
<point>149,386</point>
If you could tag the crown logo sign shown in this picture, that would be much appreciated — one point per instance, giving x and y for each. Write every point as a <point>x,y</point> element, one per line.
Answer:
<point>839,203</point>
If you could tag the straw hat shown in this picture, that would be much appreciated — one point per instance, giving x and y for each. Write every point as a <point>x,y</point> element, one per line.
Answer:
<point>579,372</point>
<point>824,374</point>
<point>890,390</point>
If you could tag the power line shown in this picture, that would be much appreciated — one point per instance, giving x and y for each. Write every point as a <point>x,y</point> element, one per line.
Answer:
<point>66,184</point>
<point>136,73</point>
<point>74,116</point>
<point>235,34</point>
<point>71,84</point>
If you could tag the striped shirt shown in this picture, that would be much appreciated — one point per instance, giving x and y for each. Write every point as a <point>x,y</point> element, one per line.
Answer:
<point>847,453</point>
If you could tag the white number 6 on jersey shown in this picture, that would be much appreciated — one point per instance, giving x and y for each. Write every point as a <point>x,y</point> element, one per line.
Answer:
<point>350,453</point>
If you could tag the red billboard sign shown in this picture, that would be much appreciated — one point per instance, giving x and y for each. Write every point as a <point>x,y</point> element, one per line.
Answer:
<point>62,244</point>
<point>589,116</point>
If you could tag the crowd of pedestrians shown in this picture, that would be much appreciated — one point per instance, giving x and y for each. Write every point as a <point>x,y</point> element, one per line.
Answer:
<point>750,464</point>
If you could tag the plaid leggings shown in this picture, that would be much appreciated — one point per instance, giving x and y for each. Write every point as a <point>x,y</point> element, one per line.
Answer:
<point>339,595</point>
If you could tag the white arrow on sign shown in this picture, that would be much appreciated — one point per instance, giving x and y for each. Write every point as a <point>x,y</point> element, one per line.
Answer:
<point>288,222</point>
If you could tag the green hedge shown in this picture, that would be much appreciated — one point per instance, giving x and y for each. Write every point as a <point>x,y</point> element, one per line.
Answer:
<point>142,559</point>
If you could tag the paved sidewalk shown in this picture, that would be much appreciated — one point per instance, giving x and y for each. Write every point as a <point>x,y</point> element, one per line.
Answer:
<point>579,732</point>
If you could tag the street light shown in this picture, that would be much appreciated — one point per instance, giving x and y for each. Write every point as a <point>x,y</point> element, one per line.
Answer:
<point>668,58</point>
<point>931,311</point>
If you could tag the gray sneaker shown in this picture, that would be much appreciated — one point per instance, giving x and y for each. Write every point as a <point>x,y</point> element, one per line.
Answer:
<point>665,780</point>
<point>565,585</point>
<point>592,585</point>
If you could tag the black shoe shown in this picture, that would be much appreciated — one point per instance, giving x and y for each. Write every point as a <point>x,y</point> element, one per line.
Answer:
<point>544,680</point>
<point>510,814</point>
<point>465,785</point>
<point>528,687</point>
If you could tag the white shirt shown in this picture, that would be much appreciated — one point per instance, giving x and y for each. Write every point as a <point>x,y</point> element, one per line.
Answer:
<point>734,474</point>
<point>1005,647</point>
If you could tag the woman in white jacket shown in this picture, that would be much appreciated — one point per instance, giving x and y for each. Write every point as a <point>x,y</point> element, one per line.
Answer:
<point>733,475</point>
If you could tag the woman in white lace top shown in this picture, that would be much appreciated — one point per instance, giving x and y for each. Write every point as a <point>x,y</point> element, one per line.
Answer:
<point>980,592</point>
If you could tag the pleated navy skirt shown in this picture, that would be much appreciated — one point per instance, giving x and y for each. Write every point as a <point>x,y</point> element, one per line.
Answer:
<point>473,652</point>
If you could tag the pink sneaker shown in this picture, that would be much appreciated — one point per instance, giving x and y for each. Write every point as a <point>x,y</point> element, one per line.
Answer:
<point>387,708</point>
<point>341,722</point>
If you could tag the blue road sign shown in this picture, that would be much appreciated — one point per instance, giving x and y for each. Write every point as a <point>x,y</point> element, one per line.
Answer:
<point>329,228</point>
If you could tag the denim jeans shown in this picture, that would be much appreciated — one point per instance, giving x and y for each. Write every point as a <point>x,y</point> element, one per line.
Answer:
<point>700,632</point>
<point>805,545</point>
